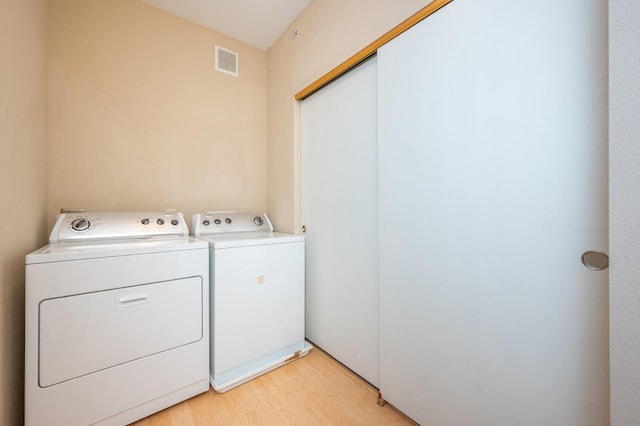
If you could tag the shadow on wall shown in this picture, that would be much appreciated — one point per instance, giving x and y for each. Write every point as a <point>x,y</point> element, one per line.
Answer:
<point>12,332</point>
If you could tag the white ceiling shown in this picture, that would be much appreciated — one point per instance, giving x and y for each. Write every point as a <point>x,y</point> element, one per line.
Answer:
<point>258,23</point>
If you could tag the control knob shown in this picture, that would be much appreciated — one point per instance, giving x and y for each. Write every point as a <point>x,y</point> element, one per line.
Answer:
<point>258,221</point>
<point>145,221</point>
<point>160,221</point>
<point>206,222</point>
<point>227,220</point>
<point>174,222</point>
<point>80,224</point>
<point>217,222</point>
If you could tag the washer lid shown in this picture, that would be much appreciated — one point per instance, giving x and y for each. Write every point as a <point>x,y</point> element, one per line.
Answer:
<point>64,252</point>
<point>247,239</point>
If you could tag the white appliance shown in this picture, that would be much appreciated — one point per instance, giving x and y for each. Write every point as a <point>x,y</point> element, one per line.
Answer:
<point>257,296</point>
<point>116,312</point>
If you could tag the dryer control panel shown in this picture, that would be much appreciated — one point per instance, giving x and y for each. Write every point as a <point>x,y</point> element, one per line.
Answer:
<point>117,225</point>
<point>221,222</point>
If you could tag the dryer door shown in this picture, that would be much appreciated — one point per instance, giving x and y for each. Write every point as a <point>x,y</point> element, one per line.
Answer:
<point>85,333</point>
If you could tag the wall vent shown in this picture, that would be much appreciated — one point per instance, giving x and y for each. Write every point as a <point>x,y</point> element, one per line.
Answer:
<point>226,61</point>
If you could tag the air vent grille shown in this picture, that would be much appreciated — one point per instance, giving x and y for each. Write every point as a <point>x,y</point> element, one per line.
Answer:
<point>226,61</point>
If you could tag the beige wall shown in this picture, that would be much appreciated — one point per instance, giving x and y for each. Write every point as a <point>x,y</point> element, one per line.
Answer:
<point>23,169</point>
<point>330,31</point>
<point>139,119</point>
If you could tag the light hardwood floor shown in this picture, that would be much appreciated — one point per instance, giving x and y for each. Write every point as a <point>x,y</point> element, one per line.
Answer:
<point>314,390</point>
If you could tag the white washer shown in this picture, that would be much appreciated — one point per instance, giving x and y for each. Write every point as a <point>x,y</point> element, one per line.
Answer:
<point>257,296</point>
<point>116,313</point>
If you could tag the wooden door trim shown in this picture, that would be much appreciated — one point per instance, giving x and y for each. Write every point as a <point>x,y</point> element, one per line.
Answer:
<point>372,48</point>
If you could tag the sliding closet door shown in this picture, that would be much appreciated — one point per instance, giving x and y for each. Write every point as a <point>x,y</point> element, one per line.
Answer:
<point>493,177</point>
<point>339,203</point>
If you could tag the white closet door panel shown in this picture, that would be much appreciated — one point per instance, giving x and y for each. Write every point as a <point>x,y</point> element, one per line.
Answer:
<point>493,153</point>
<point>339,203</point>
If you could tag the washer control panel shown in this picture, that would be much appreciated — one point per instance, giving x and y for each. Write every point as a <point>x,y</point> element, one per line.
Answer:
<point>219,222</point>
<point>117,225</point>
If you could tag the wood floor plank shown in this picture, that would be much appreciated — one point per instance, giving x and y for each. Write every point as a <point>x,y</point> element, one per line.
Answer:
<point>314,390</point>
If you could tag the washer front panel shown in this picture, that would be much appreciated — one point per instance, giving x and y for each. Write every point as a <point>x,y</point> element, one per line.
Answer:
<point>257,304</point>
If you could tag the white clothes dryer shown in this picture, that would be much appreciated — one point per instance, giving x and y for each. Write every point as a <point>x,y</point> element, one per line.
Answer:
<point>117,319</point>
<point>257,296</point>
